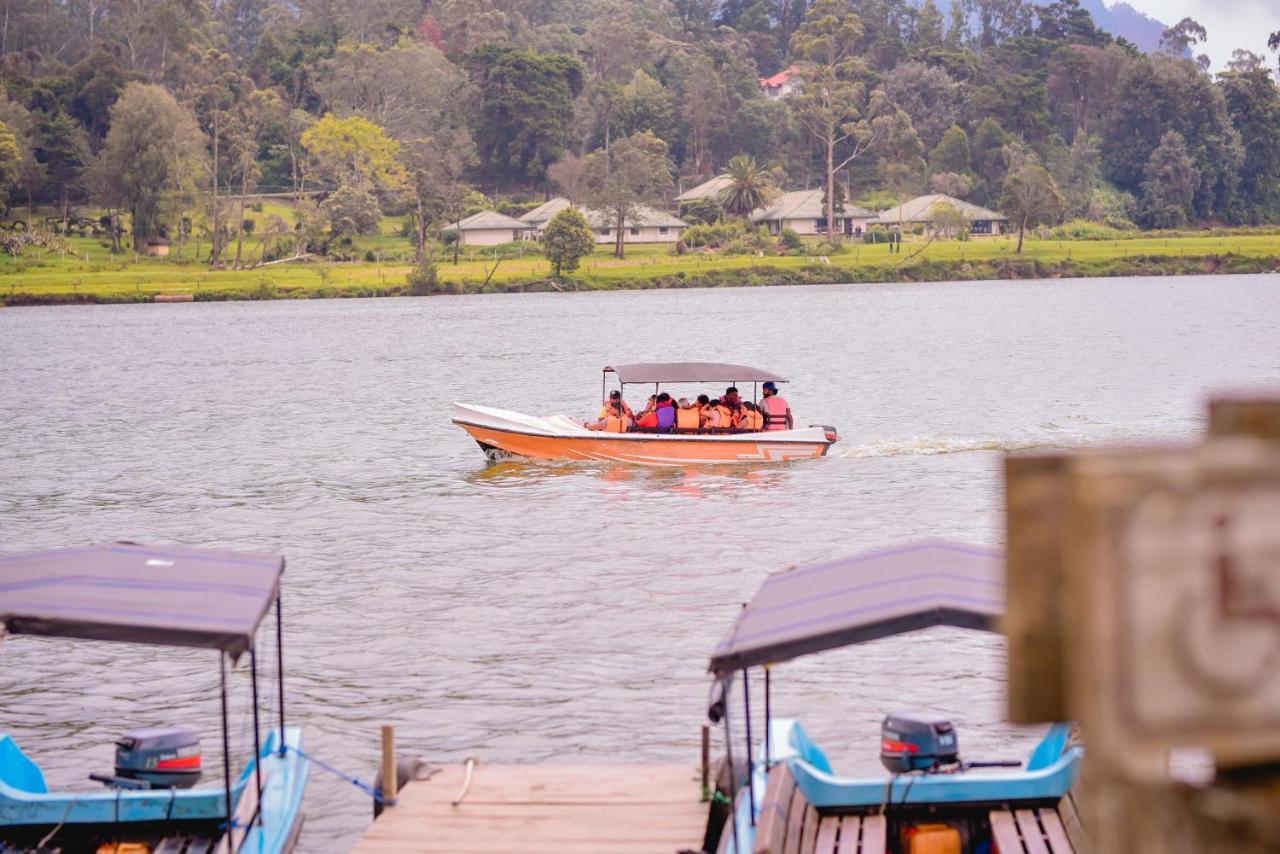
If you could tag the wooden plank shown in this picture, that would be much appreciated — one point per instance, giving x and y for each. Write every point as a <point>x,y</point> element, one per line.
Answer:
<point>1004,832</point>
<point>1032,837</point>
<point>795,822</point>
<point>850,834</point>
<point>874,834</point>
<point>771,827</point>
<point>1072,824</point>
<point>809,835</point>
<point>1036,497</point>
<point>544,809</point>
<point>1055,833</point>
<point>245,808</point>
<point>828,830</point>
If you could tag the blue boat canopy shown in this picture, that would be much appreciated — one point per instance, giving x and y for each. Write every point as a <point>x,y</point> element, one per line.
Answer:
<point>822,606</point>
<point>142,594</point>
<point>690,372</point>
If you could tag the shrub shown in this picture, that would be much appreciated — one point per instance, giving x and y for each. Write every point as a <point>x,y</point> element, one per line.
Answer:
<point>256,207</point>
<point>246,226</point>
<point>369,256</point>
<point>790,240</point>
<point>701,211</point>
<point>424,278</point>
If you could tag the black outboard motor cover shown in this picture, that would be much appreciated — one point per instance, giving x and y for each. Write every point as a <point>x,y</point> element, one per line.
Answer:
<point>166,757</point>
<point>917,742</point>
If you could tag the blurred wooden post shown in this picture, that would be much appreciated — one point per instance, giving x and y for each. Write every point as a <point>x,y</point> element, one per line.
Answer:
<point>1244,414</point>
<point>706,762</point>
<point>388,766</point>
<point>1144,602</point>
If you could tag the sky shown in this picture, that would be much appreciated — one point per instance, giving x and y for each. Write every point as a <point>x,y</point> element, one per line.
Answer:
<point>1231,23</point>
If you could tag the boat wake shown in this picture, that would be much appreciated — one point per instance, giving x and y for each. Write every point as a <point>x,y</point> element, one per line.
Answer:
<point>921,446</point>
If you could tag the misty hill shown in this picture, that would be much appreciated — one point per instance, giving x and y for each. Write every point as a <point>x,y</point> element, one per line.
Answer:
<point>1120,19</point>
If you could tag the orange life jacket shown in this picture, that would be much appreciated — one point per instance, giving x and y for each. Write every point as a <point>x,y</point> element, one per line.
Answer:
<point>687,419</point>
<point>775,412</point>
<point>710,416</point>
<point>751,420</point>
<point>615,424</point>
<point>726,415</point>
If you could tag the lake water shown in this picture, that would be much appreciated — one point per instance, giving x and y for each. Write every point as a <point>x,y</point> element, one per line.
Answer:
<point>530,613</point>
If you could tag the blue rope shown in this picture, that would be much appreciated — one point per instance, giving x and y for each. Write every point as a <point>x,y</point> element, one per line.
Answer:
<point>325,766</point>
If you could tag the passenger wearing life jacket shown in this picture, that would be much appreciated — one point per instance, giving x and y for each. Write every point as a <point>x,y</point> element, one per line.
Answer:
<point>776,411</point>
<point>711,414</point>
<point>688,418</point>
<point>666,412</point>
<point>615,396</point>
<point>614,419</point>
<point>750,419</point>
<point>733,403</point>
<point>725,412</point>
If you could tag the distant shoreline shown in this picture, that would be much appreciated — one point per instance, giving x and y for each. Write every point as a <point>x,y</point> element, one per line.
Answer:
<point>1047,260</point>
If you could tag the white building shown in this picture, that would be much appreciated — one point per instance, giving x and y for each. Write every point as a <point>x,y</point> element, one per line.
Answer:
<point>708,189</point>
<point>803,212</point>
<point>649,225</point>
<point>487,228</point>
<point>918,210</point>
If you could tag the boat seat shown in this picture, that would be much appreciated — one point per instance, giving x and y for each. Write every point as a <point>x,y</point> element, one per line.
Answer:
<point>1033,831</point>
<point>789,824</point>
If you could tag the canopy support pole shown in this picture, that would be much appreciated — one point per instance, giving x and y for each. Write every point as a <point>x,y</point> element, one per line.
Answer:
<point>751,777</point>
<point>226,751</point>
<point>768,750</point>
<point>733,776</point>
<point>280,667</point>
<point>257,739</point>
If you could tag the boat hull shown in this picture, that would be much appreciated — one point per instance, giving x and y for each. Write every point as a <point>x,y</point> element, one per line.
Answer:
<point>507,434</point>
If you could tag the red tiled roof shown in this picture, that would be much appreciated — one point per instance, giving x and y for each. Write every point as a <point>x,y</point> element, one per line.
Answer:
<point>778,79</point>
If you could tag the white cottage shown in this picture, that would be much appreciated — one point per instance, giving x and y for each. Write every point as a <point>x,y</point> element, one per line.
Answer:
<point>487,228</point>
<point>802,211</point>
<point>918,210</point>
<point>649,225</point>
<point>708,189</point>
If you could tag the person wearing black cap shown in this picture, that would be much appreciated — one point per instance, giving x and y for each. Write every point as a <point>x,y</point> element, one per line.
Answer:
<point>775,409</point>
<point>615,397</point>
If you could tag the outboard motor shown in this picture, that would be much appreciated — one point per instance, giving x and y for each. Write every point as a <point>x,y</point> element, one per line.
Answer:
<point>917,742</point>
<point>163,757</point>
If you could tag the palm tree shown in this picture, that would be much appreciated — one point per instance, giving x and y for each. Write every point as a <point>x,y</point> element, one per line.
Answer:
<point>749,188</point>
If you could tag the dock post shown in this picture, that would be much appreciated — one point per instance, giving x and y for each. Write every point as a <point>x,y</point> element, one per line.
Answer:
<point>706,762</point>
<point>388,766</point>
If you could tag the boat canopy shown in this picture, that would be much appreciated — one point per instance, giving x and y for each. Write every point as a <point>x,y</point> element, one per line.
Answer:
<point>690,372</point>
<point>853,600</point>
<point>142,594</point>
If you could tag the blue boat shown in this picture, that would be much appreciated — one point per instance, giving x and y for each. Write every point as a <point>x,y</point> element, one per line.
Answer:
<point>150,802</point>
<point>789,798</point>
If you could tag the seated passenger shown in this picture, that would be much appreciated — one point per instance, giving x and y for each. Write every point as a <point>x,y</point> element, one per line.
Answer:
<point>688,416</point>
<point>615,396</point>
<point>711,415</point>
<point>750,418</point>
<point>666,412</point>
<point>614,419</point>
<point>727,414</point>
<point>733,403</point>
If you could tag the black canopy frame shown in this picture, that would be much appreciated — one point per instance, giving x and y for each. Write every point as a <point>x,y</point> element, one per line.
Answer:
<point>838,603</point>
<point>160,595</point>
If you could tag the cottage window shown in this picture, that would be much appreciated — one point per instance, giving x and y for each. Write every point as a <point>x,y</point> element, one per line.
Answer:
<point>605,232</point>
<point>635,230</point>
<point>662,229</point>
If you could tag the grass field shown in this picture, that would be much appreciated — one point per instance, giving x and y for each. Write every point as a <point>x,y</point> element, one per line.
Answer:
<point>89,272</point>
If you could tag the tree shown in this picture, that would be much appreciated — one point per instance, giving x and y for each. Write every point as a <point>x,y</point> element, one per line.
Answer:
<point>353,151</point>
<point>1179,38</point>
<point>928,95</point>
<point>749,187</point>
<point>352,210</point>
<point>832,102</point>
<point>150,137</point>
<point>566,240</point>
<point>705,211</point>
<point>569,173</point>
<point>636,171</point>
<point>952,153</point>
<point>10,162</point>
<point>947,220</point>
<point>63,149</point>
<point>1031,197</point>
<point>404,89</point>
<point>1253,103</point>
<point>951,184</point>
<point>1169,183</point>
<point>525,104</point>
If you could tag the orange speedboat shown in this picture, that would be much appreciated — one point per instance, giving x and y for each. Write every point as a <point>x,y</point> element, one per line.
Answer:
<point>502,433</point>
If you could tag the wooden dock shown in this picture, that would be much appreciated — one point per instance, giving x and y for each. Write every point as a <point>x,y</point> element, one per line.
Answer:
<point>655,809</point>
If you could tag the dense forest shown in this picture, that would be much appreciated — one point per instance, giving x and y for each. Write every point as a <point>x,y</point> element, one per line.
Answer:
<point>172,111</point>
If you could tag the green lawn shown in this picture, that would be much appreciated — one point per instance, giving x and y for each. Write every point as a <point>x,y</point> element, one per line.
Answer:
<point>90,270</point>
